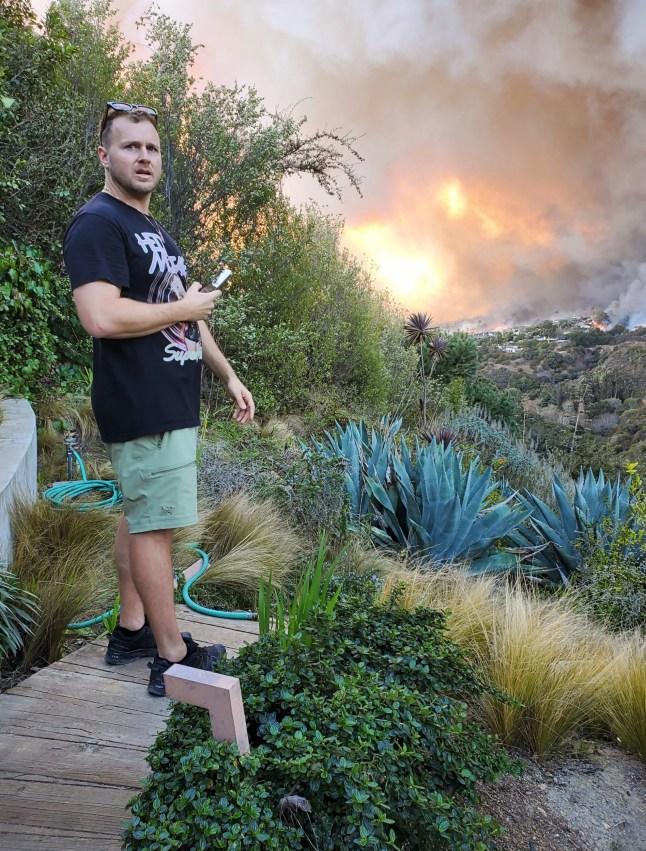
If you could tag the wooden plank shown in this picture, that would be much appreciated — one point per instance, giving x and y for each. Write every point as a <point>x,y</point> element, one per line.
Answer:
<point>69,720</point>
<point>233,640</point>
<point>73,741</point>
<point>220,623</point>
<point>14,837</point>
<point>28,758</point>
<point>75,808</point>
<point>90,689</point>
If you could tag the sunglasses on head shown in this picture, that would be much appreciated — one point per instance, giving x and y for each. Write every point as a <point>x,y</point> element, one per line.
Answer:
<point>117,106</point>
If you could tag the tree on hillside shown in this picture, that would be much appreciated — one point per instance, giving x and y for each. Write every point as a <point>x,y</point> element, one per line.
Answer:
<point>460,360</point>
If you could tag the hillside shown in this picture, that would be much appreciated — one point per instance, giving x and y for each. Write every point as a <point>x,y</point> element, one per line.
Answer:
<point>583,388</point>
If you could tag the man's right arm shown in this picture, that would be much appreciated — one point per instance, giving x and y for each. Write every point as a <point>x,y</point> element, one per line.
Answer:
<point>103,313</point>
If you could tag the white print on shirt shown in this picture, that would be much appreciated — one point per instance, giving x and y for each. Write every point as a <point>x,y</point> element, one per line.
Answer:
<point>175,353</point>
<point>161,260</point>
<point>168,274</point>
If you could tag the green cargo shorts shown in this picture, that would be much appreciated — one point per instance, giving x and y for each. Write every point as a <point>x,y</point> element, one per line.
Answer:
<point>157,475</point>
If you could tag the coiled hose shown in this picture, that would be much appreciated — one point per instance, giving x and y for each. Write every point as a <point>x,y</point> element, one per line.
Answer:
<point>67,493</point>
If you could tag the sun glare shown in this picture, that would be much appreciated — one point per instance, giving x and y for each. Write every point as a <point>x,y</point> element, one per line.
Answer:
<point>413,278</point>
<point>452,199</point>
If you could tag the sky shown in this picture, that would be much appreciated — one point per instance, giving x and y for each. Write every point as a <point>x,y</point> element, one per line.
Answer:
<point>504,178</point>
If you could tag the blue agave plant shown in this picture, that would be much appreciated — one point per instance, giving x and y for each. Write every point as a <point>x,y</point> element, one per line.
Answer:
<point>557,537</point>
<point>365,454</point>
<point>434,508</point>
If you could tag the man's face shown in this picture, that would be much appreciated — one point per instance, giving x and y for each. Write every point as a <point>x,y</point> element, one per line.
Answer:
<point>132,157</point>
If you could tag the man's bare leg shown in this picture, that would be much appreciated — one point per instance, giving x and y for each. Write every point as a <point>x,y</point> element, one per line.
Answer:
<point>132,614</point>
<point>151,571</point>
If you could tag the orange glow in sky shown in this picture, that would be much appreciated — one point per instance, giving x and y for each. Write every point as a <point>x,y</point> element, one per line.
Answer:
<point>452,199</point>
<point>414,276</point>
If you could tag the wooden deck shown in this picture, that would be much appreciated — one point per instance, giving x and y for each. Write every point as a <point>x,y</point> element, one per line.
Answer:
<point>73,742</point>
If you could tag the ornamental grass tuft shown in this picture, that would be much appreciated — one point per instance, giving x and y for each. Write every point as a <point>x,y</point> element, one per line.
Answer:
<point>65,558</point>
<point>567,671</point>
<point>622,693</point>
<point>248,540</point>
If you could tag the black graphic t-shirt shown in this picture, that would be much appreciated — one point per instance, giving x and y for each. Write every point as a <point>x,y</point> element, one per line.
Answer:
<point>142,385</point>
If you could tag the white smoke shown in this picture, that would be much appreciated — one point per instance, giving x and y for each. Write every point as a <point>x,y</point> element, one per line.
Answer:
<point>538,108</point>
<point>630,308</point>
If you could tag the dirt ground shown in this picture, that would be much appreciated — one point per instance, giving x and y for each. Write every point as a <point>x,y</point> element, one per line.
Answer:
<point>593,801</point>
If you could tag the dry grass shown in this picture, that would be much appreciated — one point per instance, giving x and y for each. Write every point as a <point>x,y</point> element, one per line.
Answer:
<point>549,657</point>
<point>247,540</point>
<point>448,589</point>
<point>542,651</point>
<point>622,693</point>
<point>64,557</point>
<point>75,411</point>
<point>364,558</point>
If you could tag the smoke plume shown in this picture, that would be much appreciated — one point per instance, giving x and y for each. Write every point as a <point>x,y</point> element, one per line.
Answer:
<point>505,142</point>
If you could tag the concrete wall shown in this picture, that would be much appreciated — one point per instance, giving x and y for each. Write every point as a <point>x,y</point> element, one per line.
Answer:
<point>18,468</point>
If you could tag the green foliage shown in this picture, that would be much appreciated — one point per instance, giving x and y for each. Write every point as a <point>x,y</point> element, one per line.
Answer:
<point>302,317</point>
<point>311,490</point>
<point>312,594</point>
<point>359,740</point>
<point>501,405</point>
<point>307,487</point>
<point>59,77</point>
<point>35,311</point>
<point>110,619</point>
<point>18,609</point>
<point>225,154</point>
<point>612,581</point>
<point>497,446</point>
<point>598,514</point>
<point>435,509</point>
<point>460,360</point>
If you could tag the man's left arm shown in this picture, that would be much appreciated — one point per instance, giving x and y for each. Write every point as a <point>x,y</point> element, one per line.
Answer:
<point>244,408</point>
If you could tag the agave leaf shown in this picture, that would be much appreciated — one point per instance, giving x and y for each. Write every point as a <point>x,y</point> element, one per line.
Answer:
<point>494,561</point>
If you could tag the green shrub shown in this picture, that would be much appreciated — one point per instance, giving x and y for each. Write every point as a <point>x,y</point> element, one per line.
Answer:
<point>39,323</point>
<point>612,581</point>
<point>613,587</point>
<point>361,740</point>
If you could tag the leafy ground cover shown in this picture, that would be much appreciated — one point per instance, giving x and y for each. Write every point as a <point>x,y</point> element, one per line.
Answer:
<point>362,739</point>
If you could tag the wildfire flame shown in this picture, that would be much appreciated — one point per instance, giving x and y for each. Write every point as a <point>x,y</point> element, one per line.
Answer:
<point>424,245</point>
<point>412,275</point>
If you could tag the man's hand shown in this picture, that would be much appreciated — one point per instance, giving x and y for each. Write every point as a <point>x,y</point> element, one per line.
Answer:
<point>243,404</point>
<point>198,305</point>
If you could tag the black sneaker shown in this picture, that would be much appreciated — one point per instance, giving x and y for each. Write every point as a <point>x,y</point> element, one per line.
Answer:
<point>125,646</point>
<point>196,657</point>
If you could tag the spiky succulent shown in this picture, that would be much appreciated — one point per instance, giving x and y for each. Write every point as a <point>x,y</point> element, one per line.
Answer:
<point>417,327</point>
<point>437,346</point>
<point>441,434</point>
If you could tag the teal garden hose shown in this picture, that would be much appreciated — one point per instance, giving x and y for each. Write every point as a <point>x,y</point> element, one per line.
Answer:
<point>67,493</point>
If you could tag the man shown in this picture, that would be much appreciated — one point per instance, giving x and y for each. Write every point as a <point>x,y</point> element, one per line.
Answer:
<point>150,337</point>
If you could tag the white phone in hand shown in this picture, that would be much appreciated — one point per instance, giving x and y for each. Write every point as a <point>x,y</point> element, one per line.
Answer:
<point>218,282</point>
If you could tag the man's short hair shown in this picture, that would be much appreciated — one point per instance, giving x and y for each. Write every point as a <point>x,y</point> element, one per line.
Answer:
<point>134,115</point>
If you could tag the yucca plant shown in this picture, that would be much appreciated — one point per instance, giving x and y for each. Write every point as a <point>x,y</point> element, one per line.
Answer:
<point>18,609</point>
<point>557,537</point>
<point>312,594</point>
<point>364,453</point>
<point>442,513</point>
